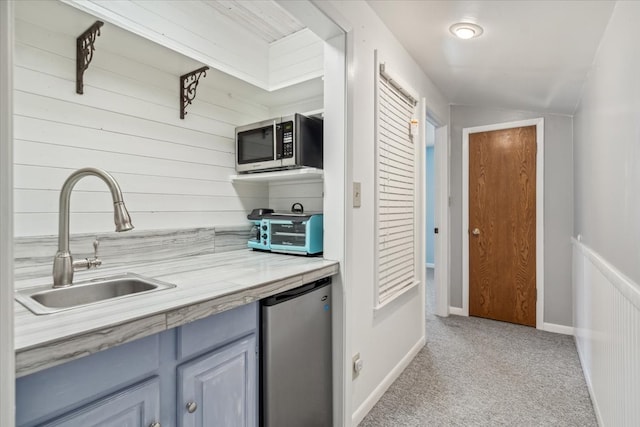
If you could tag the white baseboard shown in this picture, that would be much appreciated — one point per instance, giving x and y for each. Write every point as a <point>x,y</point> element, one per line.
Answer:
<point>377,393</point>
<point>558,329</point>
<point>458,311</point>
<point>587,379</point>
<point>430,265</point>
<point>549,327</point>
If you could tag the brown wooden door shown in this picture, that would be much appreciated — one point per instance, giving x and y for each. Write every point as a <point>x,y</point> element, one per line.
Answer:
<point>502,225</point>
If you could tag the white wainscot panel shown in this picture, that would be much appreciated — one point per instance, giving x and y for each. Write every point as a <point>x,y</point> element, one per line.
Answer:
<point>607,326</point>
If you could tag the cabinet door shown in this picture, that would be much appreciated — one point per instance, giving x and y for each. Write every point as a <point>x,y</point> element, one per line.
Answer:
<point>136,406</point>
<point>219,389</point>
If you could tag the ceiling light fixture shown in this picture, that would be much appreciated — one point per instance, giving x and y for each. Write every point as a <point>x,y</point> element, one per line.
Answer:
<point>466,30</point>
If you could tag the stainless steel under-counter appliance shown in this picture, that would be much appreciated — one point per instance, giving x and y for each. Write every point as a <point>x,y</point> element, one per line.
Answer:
<point>296,374</point>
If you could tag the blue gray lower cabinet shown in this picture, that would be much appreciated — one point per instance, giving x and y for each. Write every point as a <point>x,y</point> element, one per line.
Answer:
<point>134,406</point>
<point>222,379</point>
<point>204,373</point>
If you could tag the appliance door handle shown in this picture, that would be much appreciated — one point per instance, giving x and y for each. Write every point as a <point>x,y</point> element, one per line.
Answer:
<point>301,290</point>
<point>277,143</point>
<point>292,293</point>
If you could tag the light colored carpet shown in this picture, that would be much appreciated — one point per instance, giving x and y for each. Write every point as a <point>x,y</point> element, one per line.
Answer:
<point>478,372</point>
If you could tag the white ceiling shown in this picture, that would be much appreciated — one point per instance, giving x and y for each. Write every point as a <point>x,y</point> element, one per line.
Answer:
<point>533,55</point>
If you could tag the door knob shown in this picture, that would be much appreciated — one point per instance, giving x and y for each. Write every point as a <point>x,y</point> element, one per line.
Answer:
<point>475,232</point>
<point>155,424</point>
<point>191,407</point>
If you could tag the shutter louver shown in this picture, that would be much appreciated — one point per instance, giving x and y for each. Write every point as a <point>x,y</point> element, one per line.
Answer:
<point>396,198</point>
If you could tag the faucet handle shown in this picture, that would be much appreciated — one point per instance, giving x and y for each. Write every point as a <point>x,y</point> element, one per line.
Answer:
<point>95,262</point>
<point>89,263</point>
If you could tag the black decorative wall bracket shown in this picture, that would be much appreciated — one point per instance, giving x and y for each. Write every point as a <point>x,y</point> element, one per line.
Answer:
<point>84,52</point>
<point>188,85</point>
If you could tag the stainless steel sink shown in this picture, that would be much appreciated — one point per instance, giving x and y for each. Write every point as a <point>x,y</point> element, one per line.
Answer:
<point>46,300</point>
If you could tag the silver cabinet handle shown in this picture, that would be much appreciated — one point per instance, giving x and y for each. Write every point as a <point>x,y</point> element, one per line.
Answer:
<point>155,424</point>
<point>192,407</point>
<point>475,232</point>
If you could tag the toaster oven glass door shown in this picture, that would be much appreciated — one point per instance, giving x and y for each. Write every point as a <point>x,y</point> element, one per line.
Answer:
<point>289,234</point>
<point>256,145</point>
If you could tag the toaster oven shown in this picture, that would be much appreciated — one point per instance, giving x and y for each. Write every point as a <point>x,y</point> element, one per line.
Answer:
<point>290,233</point>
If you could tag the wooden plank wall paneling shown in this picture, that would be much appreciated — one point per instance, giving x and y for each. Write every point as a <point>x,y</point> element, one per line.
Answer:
<point>196,30</point>
<point>284,194</point>
<point>295,58</point>
<point>174,173</point>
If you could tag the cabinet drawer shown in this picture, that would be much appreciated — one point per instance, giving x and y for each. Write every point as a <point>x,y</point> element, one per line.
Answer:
<point>213,331</point>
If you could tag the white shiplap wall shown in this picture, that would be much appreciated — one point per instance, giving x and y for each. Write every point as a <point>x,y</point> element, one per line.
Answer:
<point>221,35</point>
<point>295,58</point>
<point>174,173</point>
<point>192,28</point>
<point>284,194</point>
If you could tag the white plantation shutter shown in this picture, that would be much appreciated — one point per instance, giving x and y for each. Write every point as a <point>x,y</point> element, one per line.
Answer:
<point>396,190</point>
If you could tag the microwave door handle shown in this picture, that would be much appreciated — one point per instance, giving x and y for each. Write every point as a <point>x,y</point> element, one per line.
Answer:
<point>277,142</point>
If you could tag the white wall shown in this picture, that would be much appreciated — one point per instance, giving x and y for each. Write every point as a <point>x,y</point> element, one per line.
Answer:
<point>7,356</point>
<point>383,339</point>
<point>607,147</point>
<point>607,208</point>
<point>558,209</point>
<point>174,173</point>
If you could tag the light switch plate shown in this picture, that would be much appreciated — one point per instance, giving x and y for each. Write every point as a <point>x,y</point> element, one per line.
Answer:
<point>357,195</point>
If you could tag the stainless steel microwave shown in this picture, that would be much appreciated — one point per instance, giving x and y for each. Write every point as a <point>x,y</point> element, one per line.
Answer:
<point>283,143</point>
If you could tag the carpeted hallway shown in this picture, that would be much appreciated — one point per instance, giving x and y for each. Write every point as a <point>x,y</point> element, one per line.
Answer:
<point>478,372</point>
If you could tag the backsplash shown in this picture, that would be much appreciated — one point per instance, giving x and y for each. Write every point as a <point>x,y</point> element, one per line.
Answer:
<point>34,254</point>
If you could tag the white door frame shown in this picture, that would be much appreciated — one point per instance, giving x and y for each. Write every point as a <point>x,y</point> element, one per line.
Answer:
<point>539,123</point>
<point>7,355</point>
<point>441,220</point>
<point>441,241</point>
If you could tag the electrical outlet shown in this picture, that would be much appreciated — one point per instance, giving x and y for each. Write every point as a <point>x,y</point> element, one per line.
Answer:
<point>357,195</point>
<point>357,365</point>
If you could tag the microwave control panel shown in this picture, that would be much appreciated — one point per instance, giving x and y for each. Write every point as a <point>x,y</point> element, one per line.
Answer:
<point>287,140</point>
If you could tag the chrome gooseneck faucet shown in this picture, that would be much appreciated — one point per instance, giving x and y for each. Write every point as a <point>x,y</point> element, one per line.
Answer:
<point>63,264</point>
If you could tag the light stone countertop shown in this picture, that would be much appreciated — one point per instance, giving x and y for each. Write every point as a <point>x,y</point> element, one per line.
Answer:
<point>205,285</point>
